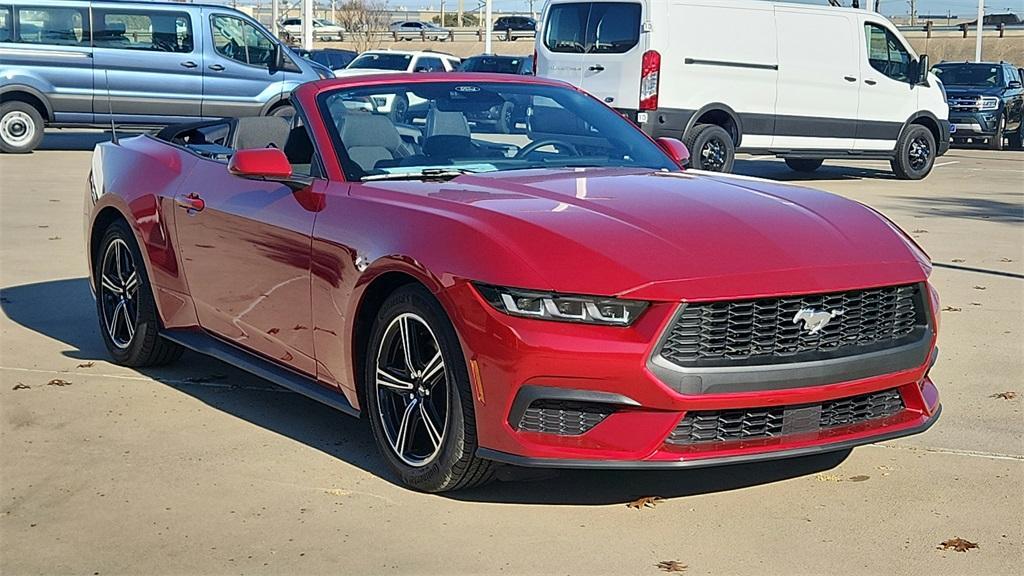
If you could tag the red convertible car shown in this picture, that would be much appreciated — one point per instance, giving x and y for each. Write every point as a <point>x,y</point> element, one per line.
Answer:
<point>562,295</point>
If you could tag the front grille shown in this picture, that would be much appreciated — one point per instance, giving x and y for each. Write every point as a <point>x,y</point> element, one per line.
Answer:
<point>766,331</point>
<point>970,104</point>
<point>752,423</point>
<point>562,417</point>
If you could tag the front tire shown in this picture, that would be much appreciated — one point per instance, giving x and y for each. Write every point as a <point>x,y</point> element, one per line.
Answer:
<point>400,110</point>
<point>996,141</point>
<point>711,148</point>
<point>21,127</point>
<point>915,153</point>
<point>804,164</point>
<point>418,395</point>
<point>124,302</point>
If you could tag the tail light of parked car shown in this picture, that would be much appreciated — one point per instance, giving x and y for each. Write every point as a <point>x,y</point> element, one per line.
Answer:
<point>650,71</point>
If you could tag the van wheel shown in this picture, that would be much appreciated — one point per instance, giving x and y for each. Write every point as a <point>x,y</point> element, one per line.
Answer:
<point>804,164</point>
<point>286,111</point>
<point>915,153</point>
<point>419,396</point>
<point>21,127</point>
<point>711,148</point>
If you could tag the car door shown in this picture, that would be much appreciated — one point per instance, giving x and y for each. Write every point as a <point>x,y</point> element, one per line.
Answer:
<point>887,96</point>
<point>148,60</point>
<point>563,42</point>
<point>817,98</point>
<point>236,67</point>
<point>246,256</point>
<point>615,47</point>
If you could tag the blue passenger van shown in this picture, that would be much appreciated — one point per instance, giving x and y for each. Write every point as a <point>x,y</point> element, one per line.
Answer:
<point>74,63</point>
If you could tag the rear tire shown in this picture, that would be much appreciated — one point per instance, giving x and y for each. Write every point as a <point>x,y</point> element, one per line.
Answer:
<point>915,153</point>
<point>437,452</point>
<point>399,110</point>
<point>286,111</point>
<point>804,164</point>
<point>124,302</point>
<point>21,127</point>
<point>711,148</point>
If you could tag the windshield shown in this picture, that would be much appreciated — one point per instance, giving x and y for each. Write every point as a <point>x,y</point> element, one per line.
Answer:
<point>378,61</point>
<point>463,127</point>
<point>593,27</point>
<point>970,75</point>
<point>488,64</point>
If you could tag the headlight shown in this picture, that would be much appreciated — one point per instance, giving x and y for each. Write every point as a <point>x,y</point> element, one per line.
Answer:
<point>562,307</point>
<point>989,103</point>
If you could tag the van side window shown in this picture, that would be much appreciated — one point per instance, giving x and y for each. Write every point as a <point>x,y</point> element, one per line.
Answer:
<point>886,53</point>
<point>593,27</point>
<point>53,25</point>
<point>158,31</point>
<point>239,40</point>
<point>5,24</point>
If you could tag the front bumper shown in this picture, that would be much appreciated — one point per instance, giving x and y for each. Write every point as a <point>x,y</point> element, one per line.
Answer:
<point>510,357</point>
<point>974,124</point>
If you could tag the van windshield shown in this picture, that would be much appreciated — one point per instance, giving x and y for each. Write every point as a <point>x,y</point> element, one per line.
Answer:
<point>593,27</point>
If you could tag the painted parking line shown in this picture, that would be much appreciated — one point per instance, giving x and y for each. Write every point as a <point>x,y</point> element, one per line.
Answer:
<point>940,165</point>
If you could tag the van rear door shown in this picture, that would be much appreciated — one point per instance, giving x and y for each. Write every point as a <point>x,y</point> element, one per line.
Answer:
<point>596,46</point>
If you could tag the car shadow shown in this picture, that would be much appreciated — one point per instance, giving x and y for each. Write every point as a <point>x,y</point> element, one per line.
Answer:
<point>776,169</point>
<point>348,439</point>
<point>74,140</point>
<point>1008,210</point>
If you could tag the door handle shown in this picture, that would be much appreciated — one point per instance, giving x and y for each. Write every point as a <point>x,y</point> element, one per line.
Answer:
<point>849,78</point>
<point>190,202</point>
<point>189,64</point>
<point>596,68</point>
<point>870,82</point>
<point>216,67</point>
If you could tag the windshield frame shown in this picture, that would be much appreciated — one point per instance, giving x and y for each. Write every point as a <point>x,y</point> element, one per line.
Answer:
<point>658,161</point>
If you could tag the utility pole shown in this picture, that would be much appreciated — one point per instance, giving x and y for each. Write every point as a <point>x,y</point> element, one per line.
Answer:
<point>307,24</point>
<point>981,25</point>
<point>442,13</point>
<point>913,12</point>
<point>461,9</point>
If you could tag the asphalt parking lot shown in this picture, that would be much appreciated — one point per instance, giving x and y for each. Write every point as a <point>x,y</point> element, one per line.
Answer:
<point>199,468</point>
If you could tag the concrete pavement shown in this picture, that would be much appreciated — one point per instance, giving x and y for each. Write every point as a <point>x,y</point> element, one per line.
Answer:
<point>198,468</point>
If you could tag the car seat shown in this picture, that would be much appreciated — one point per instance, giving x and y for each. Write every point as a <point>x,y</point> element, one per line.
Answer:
<point>369,139</point>
<point>260,132</point>
<point>447,135</point>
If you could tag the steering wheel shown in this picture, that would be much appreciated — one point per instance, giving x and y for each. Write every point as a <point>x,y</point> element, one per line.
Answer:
<point>534,146</point>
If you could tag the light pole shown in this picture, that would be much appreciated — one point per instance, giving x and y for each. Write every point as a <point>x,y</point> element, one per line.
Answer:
<point>487,27</point>
<point>981,25</point>
<point>307,24</point>
<point>274,17</point>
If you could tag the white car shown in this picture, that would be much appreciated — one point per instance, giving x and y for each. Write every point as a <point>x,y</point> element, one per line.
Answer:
<point>322,29</point>
<point>394,61</point>
<point>415,30</point>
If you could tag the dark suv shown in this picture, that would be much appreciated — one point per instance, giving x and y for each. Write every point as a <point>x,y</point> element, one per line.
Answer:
<point>516,26</point>
<point>986,102</point>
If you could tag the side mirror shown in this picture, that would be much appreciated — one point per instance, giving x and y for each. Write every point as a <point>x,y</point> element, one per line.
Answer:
<point>1014,84</point>
<point>421,69</point>
<point>276,60</point>
<point>266,164</point>
<point>676,150</point>
<point>923,66</point>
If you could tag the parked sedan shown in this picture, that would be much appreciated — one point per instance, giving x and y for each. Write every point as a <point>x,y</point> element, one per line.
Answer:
<point>322,29</point>
<point>567,296</point>
<point>415,30</point>
<point>516,26</point>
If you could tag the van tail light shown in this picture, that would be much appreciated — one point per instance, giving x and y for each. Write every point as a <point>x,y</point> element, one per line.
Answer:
<point>650,72</point>
<point>534,63</point>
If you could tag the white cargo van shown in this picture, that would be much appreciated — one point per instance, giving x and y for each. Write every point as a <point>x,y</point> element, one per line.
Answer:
<point>801,82</point>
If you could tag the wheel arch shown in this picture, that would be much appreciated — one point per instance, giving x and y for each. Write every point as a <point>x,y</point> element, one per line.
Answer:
<point>30,96</point>
<point>103,219</point>
<point>718,114</point>
<point>926,119</point>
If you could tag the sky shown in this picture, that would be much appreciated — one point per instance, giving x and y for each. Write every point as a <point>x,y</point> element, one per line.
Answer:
<point>888,7</point>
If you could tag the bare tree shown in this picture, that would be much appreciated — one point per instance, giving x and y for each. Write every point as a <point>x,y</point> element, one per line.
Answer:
<point>363,21</point>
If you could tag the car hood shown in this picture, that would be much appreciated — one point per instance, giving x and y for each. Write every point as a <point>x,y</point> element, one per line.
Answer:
<point>667,236</point>
<point>962,91</point>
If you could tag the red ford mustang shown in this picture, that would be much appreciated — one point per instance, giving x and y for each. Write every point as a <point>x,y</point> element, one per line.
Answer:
<point>560,295</point>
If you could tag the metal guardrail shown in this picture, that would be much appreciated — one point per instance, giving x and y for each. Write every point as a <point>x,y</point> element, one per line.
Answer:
<point>964,28</point>
<point>454,35</point>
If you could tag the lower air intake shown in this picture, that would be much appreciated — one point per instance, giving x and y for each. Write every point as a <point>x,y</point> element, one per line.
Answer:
<point>564,418</point>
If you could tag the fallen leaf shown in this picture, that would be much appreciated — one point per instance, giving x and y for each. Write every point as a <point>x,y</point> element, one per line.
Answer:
<point>858,478</point>
<point>979,288</point>
<point>54,237</point>
<point>645,502</point>
<point>975,303</point>
<point>58,382</point>
<point>958,544</point>
<point>671,566</point>
<point>87,365</point>
<point>1008,395</point>
<point>20,386</point>
<point>1006,260</point>
<point>959,260</point>
<point>273,331</point>
<point>42,226</point>
<point>54,200</point>
<point>950,309</point>
<point>299,327</point>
